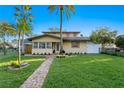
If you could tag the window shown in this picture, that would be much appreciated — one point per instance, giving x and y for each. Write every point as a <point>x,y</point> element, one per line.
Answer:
<point>35,45</point>
<point>49,45</point>
<point>42,45</point>
<point>75,44</point>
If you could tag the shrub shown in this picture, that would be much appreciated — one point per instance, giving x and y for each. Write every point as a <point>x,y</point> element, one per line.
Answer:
<point>33,53</point>
<point>41,54</point>
<point>114,53</point>
<point>15,64</point>
<point>22,54</point>
<point>66,53</point>
<point>45,53</point>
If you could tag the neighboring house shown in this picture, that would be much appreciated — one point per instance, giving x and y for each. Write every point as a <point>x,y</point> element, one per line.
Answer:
<point>50,41</point>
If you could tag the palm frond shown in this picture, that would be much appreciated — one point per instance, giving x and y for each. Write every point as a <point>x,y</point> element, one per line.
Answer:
<point>51,8</point>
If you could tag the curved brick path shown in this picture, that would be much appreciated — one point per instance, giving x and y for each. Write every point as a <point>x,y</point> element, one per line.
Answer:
<point>37,78</point>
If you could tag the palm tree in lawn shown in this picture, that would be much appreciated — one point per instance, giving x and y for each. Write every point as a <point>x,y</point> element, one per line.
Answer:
<point>6,30</point>
<point>23,25</point>
<point>63,9</point>
<point>27,17</point>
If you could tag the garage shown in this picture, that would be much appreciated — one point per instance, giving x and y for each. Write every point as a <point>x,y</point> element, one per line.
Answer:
<point>92,47</point>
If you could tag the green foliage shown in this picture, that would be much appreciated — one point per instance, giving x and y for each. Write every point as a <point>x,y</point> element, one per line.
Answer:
<point>114,53</point>
<point>66,9</point>
<point>6,30</point>
<point>103,36</point>
<point>24,19</point>
<point>15,64</point>
<point>120,41</point>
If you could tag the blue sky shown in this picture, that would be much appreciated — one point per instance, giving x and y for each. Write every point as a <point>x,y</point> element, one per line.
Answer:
<point>86,18</point>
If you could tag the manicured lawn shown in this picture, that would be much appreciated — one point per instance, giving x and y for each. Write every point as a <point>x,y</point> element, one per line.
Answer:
<point>86,71</point>
<point>10,78</point>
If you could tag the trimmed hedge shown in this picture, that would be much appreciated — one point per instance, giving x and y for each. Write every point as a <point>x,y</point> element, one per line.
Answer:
<point>114,53</point>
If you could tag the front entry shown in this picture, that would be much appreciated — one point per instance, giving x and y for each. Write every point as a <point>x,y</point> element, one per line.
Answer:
<point>56,47</point>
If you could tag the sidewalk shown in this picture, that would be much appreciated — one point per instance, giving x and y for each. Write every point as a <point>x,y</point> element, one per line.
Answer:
<point>37,78</point>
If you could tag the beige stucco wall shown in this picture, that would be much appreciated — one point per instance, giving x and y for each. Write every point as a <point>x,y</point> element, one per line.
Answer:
<point>66,45</point>
<point>68,48</point>
<point>46,39</point>
<point>42,51</point>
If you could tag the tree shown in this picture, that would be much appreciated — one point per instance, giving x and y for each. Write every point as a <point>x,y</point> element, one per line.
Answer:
<point>67,9</point>
<point>6,30</point>
<point>23,24</point>
<point>120,41</point>
<point>103,36</point>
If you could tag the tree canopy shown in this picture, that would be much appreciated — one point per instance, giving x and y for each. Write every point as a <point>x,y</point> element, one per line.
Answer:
<point>120,41</point>
<point>103,36</point>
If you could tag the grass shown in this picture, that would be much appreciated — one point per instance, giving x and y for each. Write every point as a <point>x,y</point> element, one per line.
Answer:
<point>86,71</point>
<point>13,79</point>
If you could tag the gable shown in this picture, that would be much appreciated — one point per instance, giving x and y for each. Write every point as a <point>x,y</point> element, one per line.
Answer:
<point>46,39</point>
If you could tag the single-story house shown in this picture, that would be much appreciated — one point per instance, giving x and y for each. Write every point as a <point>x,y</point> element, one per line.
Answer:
<point>50,41</point>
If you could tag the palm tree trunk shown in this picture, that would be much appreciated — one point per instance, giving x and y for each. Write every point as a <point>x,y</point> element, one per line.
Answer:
<point>61,39</point>
<point>19,50</point>
<point>23,43</point>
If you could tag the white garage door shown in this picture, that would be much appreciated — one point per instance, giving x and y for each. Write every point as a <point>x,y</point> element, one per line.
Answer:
<point>92,48</point>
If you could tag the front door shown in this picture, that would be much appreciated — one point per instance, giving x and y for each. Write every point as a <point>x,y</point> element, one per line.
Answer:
<point>55,47</point>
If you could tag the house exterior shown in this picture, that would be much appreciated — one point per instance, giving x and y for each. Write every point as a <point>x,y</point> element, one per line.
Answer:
<point>50,41</point>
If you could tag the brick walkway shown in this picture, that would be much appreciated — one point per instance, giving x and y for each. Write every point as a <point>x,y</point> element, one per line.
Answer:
<point>37,78</point>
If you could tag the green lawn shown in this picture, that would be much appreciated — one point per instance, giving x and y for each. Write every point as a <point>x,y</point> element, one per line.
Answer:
<point>86,71</point>
<point>10,78</point>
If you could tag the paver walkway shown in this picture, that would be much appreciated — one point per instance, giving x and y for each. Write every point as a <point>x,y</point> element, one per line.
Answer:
<point>37,78</point>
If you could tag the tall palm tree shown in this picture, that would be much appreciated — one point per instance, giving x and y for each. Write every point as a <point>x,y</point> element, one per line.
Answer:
<point>23,24</point>
<point>27,17</point>
<point>6,29</point>
<point>63,9</point>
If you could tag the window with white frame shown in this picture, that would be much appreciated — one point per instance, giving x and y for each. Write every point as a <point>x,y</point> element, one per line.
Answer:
<point>49,45</point>
<point>42,45</point>
<point>35,45</point>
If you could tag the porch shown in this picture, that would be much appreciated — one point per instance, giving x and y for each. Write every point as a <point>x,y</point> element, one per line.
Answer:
<point>45,47</point>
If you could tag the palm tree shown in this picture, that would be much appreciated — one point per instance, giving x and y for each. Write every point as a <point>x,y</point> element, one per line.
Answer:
<point>6,29</point>
<point>27,17</point>
<point>23,25</point>
<point>67,9</point>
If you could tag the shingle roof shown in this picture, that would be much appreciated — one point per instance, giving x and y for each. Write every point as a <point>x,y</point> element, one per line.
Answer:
<point>62,32</point>
<point>64,38</point>
<point>76,38</point>
<point>42,36</point>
